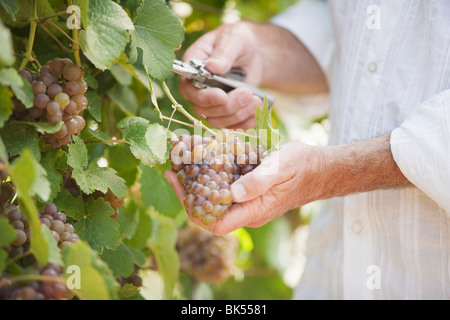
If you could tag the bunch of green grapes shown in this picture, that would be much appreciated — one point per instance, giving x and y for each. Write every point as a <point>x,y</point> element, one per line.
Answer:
<point>208,258</point>
<point>207,166</point>
<point>59,95</point>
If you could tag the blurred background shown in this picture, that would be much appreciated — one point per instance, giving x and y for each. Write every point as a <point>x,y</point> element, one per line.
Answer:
<point>271,258</point>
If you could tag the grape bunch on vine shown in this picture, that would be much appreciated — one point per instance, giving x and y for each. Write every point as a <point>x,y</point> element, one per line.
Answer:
<point>87,119</point>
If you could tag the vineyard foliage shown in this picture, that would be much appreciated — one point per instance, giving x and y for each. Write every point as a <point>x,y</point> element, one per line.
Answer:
<point>108,178</point>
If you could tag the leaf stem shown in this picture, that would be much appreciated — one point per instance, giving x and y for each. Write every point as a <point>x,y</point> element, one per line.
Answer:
<point>37,277</point>
<point>60,30</point>
<point>180,108</point>
<point>33,24</point>
<point>61,13</point>
<point>56,39</point>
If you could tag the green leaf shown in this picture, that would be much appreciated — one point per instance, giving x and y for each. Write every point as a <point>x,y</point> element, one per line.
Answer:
<point>92,283</point>
<point>25,174</point>
<point>134,130</point>
<point>6,105</point>
<point>54,252</point>
<point>163,246</point>
<point>41,185</point>
<point>142,233</point>
<point>125,98</point>
<point>122,160</point>
<point>3,257</point>
<point>95,178</point>
<point>71,206</point>
<point>11,7</point>
<point>158,193</point>
<point>46,127</point>
<point>94,105</point>
<point>49,162</point>
<point>3,153</point>
<point>96,226</point>
<point>20,86</point>
<point>7,49</point>
<point>156,139</point>
<point>267,135</point>
<point>122,259</point>
<point>18,137</point>
<point>157,33</point>
<point>130,292</point>
<point>106,32</point>
<point>7,232</point>
<point>98,135</point>
<point>128,219</point>
<point>121,75</point>
<point>44,9</point>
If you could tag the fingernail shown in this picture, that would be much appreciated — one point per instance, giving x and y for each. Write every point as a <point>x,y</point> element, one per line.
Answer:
<point>238,191</point>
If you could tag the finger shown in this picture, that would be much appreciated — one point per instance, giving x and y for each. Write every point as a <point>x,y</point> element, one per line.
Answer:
<point>237,99</point>
<point>256,183</point>
<point>209,97</point>
<point>247,124</point>
<point>237,217</point>
<point>232,47</point>
<point>202,48</point>
<point>171,177</point>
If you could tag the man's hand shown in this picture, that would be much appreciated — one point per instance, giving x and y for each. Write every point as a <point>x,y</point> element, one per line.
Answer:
<point>304,174</point>
<point>286,179</point>
<point>226,47</point>
<point>271,56</point>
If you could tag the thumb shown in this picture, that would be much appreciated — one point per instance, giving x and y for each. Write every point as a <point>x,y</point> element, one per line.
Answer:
<point>255,183</point>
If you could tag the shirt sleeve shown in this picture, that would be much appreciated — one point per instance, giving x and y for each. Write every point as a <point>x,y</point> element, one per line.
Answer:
<point>311,22</point>
<point>421,148</point>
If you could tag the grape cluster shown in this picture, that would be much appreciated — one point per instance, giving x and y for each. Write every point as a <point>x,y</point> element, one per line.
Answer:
<point>59,94</point>
<point>207,166</point>
<point>133,278</point>
<point>62,232</point>
<point>206,257</point>
<point>49,289</point>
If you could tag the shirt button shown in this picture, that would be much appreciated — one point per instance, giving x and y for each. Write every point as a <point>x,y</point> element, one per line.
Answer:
<point>372,66</point>
<point>357,227</point>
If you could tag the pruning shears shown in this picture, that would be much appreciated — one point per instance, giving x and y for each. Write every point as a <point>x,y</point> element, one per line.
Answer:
<point>201,78</point>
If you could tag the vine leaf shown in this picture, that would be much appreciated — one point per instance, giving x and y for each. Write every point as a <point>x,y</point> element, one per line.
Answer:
<point>163,246</point>
<point>20,86</point>
<point>122,259</point>
<point>130,292</point>
<point>11,7</point>
<point>142,233</point>
<point>8,235</point>
<point>50,161</point>
<point>157,33</point>
<point>96,178</point>
<point>27,178</point>
<point>146,139</point>
<point>267,135</point>
<point>18,137</point>
<point>157,192</point>
<point>94,223</point>
<point>6,49</point>
<point>6,105</point>
<point>93,285</point>
<point>54,252</point>
<point>105,34</point>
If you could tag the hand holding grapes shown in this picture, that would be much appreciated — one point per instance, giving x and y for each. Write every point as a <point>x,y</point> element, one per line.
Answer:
<point>286,179</point>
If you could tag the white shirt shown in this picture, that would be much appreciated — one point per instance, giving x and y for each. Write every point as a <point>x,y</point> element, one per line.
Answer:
<point>392,76</point>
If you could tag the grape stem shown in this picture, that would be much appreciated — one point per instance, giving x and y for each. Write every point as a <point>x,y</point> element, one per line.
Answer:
<point>179,107</point>
<point>56,39</point>
<point>75,43</point>
<point>61,13</point>
<point>33,24</point>
<point>37,277</point>
<point>59,29</point>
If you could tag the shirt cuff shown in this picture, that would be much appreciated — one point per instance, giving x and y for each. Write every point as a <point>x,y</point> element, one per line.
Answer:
<point>421,148</point>
<point>311,22</point>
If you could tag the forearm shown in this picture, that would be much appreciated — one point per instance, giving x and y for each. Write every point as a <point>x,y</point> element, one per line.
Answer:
<point>359,167</point>
<point>288,65</point>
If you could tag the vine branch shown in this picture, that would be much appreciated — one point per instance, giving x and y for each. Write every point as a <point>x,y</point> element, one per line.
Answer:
<point>33,25</point>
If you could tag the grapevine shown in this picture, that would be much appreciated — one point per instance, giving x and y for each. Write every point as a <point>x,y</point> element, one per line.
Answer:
<point>88,125</point>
